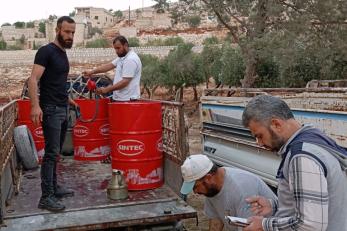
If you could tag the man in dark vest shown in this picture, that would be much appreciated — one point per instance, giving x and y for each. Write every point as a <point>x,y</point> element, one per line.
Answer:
<point>312,182</point>
<point>51,68</point>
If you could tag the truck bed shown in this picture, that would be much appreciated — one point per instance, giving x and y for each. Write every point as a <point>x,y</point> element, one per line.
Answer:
<point>89,208</point>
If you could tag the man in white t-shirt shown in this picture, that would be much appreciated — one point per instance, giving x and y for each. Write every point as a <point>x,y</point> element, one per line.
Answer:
<point>225,189</point>
<point>128,67</point>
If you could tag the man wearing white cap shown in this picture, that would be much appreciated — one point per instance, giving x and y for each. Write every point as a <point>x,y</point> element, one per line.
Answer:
<point>225,189</point>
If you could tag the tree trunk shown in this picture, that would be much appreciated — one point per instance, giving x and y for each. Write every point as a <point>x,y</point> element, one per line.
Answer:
<point>148,92</point>
<point>249,51</point>
<point>171,91</point>
<point>152,90</point>
<point>179,95</point>
<point>195,94</point>
<point>251,73</point>
<point>207,79</point>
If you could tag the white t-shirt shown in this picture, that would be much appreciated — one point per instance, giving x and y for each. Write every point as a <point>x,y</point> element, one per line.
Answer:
<point>129,66</point>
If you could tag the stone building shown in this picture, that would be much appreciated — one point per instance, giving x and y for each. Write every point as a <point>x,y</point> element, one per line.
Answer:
<point>50,30</point>
<point>11,33</point>
<point>147,18</point>
<point>81,32</point>
<point>98,17</point>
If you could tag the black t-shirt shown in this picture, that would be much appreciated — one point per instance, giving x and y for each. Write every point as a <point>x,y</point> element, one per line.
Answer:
<point>53,81</point>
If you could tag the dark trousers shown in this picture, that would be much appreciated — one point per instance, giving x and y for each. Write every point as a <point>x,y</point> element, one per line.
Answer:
<point>54,126</point>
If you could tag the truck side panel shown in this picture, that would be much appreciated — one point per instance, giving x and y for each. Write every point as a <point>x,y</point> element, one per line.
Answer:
<point>228,143</point>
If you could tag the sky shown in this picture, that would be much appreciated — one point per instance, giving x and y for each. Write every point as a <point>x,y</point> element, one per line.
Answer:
<point>28,10</point>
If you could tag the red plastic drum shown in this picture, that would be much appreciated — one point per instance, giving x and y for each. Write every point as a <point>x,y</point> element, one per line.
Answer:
<point>91,132</point>
<point>136,142</point>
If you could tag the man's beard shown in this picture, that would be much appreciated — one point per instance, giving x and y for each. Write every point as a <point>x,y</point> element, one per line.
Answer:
<point>276,141</point>
<point>122,54</point>
<point>211,191</point>
<point>65,43</point>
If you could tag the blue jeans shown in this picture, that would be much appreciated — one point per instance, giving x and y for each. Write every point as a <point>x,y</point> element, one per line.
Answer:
<point>54,126</point>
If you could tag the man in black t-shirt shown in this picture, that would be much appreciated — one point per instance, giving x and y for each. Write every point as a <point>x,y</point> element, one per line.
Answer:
<point>51,68</point>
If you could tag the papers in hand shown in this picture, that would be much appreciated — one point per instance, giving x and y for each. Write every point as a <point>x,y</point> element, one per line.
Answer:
<point>237,221</point>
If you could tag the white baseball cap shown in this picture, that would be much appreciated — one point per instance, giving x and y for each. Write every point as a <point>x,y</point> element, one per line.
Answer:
<point>194,168</point>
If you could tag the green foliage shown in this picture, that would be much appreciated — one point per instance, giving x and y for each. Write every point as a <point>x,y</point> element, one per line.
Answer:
<point>30,25</point>
<point>173,41</point>
<point>183,68</point>
<point>210,40</point>
<point>95,30</point>
<point>300,72</point>
<point>19,24</point>
<point>210,56</point>
<point>176,15</point>
<point>22,39</point>
<point>334,65</point>
<point>232,66</point>
<point>118,14</point>
<point>3,45</point>
<point>14,47</point>
<point>6,24</point>
<point>287,43</point>
<point>194,20</point>
<point>52,17</point>
<point>42,28</point>
<point>134,42</point>
<point>98,43</point>
<point>268,73</point>
<point>138,11</point>
<point>151,71</point>
<point>161,6</point>
<point>72,14</point>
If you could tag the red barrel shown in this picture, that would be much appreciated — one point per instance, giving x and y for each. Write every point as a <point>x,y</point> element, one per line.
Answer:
<point>136,142</point>
<point>91,135</point>
<point>24,108</point>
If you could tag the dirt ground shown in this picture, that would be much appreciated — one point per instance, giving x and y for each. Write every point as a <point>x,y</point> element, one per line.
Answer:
<point>13,79</point>
<point>196,201</point>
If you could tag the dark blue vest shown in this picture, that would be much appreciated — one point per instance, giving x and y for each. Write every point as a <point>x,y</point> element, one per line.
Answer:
<point>313,136</point>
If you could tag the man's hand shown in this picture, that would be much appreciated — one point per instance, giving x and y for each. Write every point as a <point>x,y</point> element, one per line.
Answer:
<point>215,225</point>
<point>255,224</point>
<point>260,206</point>
<point>87,74</point>
<point>36,115</point>
<point>101,90</point>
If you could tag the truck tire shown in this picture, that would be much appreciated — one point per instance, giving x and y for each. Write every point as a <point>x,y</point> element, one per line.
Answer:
<point>25,147</point>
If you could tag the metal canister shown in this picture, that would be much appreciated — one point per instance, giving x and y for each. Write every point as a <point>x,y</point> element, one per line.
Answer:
<point>117,188</point>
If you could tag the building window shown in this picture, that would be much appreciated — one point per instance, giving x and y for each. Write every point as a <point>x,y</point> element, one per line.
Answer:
<point>96,17</point>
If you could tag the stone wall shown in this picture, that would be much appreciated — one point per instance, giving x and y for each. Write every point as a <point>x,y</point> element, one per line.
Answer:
<point>82,55</point>
<point>196,39</point>
<point>128,32</point>
<point>10,33</point>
